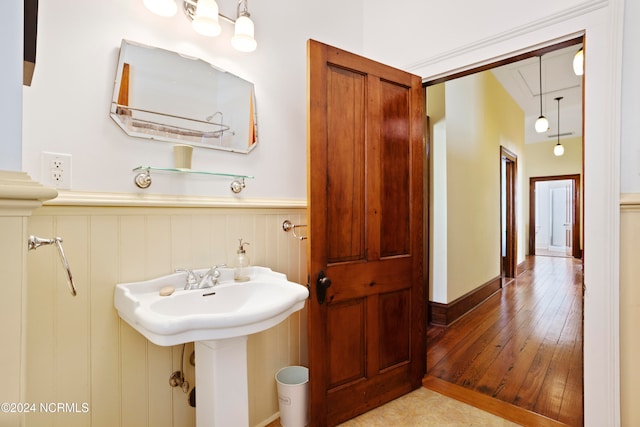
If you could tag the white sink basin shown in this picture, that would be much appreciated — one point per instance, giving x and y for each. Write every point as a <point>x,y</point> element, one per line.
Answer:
<point>227,310</point>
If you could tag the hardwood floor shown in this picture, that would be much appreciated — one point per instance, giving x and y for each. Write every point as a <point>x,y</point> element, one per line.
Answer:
<point>523,345</point>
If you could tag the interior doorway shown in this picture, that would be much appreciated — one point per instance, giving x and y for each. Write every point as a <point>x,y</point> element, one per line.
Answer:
<point>554,216</point>
<point>508,227</point>
<point>519,202</point>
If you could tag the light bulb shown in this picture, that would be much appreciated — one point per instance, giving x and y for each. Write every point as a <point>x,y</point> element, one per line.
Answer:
<point>243,39</point>
<point>558,150</point>
<point>542,124</point>
<point>578,63</point>
<point>161,7</point>
<point>205,18</point>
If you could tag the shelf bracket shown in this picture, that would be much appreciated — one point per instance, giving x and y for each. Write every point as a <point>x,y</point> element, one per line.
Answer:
<point>143,179</point>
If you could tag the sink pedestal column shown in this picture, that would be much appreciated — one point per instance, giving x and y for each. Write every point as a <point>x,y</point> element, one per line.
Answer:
<point>222,394</point>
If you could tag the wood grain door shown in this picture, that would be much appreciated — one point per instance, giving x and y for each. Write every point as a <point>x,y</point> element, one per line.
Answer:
<point>367,312</point>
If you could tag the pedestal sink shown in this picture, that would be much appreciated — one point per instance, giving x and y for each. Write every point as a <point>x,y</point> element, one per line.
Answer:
<point>218,319</point>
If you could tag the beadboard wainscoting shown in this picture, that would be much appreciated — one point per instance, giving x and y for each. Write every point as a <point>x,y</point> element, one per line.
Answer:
<point>629,309</point>
<point>79,351</point>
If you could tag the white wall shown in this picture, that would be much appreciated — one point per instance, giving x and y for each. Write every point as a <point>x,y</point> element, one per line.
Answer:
<point>67,108</point>
<point>630,141</point>
<point>11,23</point>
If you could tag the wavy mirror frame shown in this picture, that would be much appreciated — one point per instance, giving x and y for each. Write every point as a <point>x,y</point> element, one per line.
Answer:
<point>166,96</point>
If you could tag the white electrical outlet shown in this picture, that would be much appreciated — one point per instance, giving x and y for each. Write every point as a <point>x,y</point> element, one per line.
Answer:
<point>56,170</point>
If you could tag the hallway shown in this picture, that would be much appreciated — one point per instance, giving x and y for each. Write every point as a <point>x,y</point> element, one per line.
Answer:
<point>522,346</point>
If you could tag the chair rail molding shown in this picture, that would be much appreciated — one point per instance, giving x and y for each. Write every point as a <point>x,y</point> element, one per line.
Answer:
<point>20,195</point>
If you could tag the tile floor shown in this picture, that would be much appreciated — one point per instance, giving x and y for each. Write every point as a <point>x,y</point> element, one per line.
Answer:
<point>424,408</point>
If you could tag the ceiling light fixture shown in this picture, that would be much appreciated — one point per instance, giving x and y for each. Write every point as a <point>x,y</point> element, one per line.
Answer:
<point>558,150</point>
<point>578,62</point>
<point>204,18</point>
<point>542,124</point>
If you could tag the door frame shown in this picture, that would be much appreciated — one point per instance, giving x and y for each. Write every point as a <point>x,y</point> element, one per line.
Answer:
<point>576,251</point>
<point>510,259</point>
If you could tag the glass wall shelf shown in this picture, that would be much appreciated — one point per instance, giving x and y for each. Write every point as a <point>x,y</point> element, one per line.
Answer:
<point>143,178</point>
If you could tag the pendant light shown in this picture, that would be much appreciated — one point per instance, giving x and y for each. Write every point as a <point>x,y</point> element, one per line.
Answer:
<point>542,124</point>
<point>558,150</point>
<point>578,62</point>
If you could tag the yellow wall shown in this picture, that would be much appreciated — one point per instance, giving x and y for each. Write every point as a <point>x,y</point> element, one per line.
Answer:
<point>78,349</point>
<point>540,161</point>
<point>438,194</point>
<point>480,117</point>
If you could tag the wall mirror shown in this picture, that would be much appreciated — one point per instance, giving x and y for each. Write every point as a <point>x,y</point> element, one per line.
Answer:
<point>165,96</point>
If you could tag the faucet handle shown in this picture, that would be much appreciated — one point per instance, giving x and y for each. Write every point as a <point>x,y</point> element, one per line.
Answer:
<point>216,272</point>
<point>191,277</point>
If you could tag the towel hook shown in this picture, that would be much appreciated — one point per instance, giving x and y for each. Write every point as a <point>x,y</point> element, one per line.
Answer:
<point>35,242</point>
<point>289,226</point>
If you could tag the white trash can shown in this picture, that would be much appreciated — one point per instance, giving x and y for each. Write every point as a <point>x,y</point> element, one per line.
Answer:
<point>293,389</point>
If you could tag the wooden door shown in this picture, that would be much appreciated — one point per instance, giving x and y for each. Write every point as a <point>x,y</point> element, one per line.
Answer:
<point>365,247</point>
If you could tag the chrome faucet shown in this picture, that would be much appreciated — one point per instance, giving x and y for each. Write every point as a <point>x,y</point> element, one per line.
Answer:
<point>192,282</point>
<point>210,278</point>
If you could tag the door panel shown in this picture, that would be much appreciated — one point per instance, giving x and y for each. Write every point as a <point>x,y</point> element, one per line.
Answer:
<point>367,339</point>
<point>345,155</point>
<point>395,170</point>
<point>394,315</point>
<point>345,336</point>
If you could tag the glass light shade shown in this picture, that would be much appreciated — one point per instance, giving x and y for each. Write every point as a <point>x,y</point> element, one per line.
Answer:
<point>161,7</point>
<point>542,124</point>
<point>243,39</point>
<point>205,19</point>
<point>558,150</point>
<point>578,63</point>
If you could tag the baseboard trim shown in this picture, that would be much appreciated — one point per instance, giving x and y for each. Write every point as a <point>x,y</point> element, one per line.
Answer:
<point>445,314</point>
<point>522,267</point>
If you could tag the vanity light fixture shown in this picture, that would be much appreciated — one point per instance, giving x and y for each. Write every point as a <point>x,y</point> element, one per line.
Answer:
<point>558,150</point>
<point>243,38</point>
<point>578,62</point>
<point>204,17</point>
<point>542,124</point>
